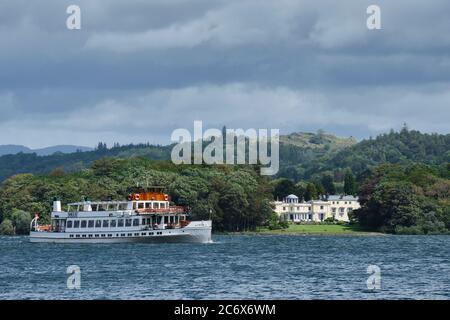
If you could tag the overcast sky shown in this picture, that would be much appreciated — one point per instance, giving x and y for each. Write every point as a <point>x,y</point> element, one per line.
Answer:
<point>138,69</point>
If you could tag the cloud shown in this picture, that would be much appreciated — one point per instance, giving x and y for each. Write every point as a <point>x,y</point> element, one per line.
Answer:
<point>138,69</point>
<point>151,116</point>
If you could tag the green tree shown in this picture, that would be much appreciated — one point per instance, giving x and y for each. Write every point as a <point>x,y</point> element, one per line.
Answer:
<point>328,184</point>
<point>349,183</point>
<point>283,188</point>
<point>6,228</point>
<point>311,192</point>
<point>21,221</point>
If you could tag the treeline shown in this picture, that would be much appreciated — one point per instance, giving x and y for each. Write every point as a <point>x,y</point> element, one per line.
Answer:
<point>403,147</point>
<point>406,199</point>
<point>236,197</point>
<point>31,163</point>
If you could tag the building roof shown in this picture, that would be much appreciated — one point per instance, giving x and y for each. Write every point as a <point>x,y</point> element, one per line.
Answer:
<point>342,198</point>
<point>292,196</point>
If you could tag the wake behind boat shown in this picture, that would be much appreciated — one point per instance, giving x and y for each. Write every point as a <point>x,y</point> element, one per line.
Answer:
<point>146,216</point>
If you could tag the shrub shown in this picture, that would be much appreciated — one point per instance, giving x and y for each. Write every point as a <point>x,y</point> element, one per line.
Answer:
<point>6,228</point>
<point>21,221</point>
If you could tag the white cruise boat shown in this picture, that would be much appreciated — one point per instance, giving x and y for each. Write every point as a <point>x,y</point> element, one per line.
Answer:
<point>147,216</point>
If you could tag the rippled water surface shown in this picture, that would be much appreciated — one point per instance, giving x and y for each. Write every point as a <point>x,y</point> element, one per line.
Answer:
<point>233,267</point>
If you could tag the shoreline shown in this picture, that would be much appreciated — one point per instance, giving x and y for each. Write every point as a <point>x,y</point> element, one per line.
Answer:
<point>288,233</point>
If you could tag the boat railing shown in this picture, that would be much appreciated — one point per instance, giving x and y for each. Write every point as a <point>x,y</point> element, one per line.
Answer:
<point>171,209</point>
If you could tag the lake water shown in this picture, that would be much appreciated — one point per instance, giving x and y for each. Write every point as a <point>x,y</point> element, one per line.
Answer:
<point>233,267</point>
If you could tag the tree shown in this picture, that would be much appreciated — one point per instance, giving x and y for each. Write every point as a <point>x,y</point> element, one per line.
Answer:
<point>328,184</point>
<point>311,192</point>
<point>349,183</point>
<point>284,188</point>
<point>21,221</point>
<point>6,228</point>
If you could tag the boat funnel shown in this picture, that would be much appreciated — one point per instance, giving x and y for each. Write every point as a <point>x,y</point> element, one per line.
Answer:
<point>87,204</point>
<point>56,205</point>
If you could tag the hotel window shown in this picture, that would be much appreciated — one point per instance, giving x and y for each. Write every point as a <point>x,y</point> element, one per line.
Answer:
<point>83,223</point>
<point>105,223</point>
<point>135,222</point>
<point>69,224</point>
<point>113,223</point>
<point>76,224</point>
<point>98,223</point>
<point>321,207</point>
<point>120,224</point>
<point>128,223</point>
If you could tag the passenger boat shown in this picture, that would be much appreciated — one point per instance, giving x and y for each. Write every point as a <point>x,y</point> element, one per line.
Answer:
<point>146,216</point>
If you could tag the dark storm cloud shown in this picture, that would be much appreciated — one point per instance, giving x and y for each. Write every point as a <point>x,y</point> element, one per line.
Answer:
<point>288,64</point>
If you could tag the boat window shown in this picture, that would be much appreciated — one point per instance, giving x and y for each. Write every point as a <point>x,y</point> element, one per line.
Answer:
<point>148,205</point>
<point>90,224</point>
<point>155,205</point>
<point>140,205</point>
<point>120,224</point>
<point>102,207</point>
<point>135,222</point>
<point>69,224</point>
<point>128,223</point>
<point>163,205</point>
<point>76,224</point>
<point>105,223</point>
<point>83,223</point>
<point>134,205</point>
<point>94,207</point>
<point>98,223</point>
<point>123,206</point>
<point>113,223</point>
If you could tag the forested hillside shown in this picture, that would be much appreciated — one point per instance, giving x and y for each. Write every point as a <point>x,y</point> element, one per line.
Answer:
<point>402,178</point>
<point>72,162</point>
<point>296,149</point>
<point>404,147</point>
<point>411,199</point>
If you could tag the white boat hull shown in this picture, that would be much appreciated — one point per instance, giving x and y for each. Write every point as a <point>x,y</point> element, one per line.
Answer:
<point>195,232</point>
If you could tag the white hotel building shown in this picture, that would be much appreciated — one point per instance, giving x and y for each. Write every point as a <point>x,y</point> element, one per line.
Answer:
<point>335,206</point>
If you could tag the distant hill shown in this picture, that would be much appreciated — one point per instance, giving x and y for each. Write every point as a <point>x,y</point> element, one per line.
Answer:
<point>14,149</point>
<point>320,140</point>
<point>404,147</point>
<point>303,156</point>
<point>33,163</point>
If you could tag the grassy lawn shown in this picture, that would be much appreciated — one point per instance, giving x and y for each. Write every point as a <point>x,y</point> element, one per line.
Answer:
<point>316,229</point>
